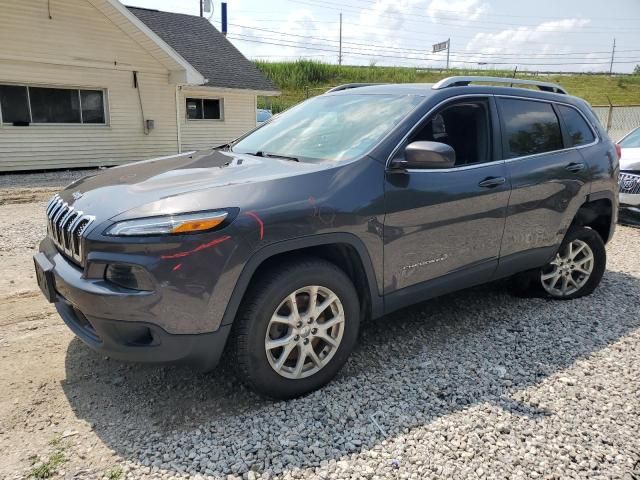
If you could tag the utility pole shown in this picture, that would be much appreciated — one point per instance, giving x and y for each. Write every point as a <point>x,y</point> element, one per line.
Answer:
<point>448,51</point>
<point>340,52</point>
<point>613,54</point>
<point>201,8</point>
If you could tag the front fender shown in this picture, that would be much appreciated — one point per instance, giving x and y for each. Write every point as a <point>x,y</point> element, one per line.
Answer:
<point>297,244</point>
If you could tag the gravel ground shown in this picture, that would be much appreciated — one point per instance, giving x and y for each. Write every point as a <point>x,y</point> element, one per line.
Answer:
<point>35,180</point>
<point>478,384</point>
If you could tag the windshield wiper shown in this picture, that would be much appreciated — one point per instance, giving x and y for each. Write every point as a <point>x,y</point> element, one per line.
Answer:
<point>225,147</point>
<point>260,153</point>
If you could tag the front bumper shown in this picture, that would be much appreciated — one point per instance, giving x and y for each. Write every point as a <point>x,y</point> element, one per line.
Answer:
<point>629,210</point>
<point>629,200</point>
<point>108,319</point>
<point>143,342</point>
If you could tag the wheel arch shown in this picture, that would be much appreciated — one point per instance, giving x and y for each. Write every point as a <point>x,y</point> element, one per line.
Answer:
<point>345,250</point>
<point>598,212</point>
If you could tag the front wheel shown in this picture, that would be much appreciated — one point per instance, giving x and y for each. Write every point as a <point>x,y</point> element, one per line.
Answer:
<point>578,266</point>
<point>298,325</point>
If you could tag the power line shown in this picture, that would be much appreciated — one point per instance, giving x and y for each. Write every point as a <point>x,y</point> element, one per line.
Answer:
<point>455,14</point>
<point>467,26</point>
<point>373,55</point>
<point>420,35</point>
<point>370,46</point>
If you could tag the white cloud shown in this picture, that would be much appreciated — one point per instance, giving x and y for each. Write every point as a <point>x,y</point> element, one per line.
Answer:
<point>462,11</point>
<point>532,44</point>
<point>377,25</point>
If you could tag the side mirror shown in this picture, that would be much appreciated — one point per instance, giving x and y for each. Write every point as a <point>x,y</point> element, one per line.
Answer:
<point>427,155</point>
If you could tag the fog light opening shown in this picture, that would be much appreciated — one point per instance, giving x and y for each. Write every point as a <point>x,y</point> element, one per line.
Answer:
<point>144,338</point>
<point>132,277</point>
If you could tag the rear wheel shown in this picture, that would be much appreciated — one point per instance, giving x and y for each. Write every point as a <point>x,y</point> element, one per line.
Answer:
<point>296,329</point>
<point>574,272</point>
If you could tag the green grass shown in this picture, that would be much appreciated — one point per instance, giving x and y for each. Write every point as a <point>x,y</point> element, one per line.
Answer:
<point>115,473</point>
<point>306,78</point>
<point>47,468</point>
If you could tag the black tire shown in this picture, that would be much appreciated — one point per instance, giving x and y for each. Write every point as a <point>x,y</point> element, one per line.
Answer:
<point>260,303</point>
<point>529,283</point>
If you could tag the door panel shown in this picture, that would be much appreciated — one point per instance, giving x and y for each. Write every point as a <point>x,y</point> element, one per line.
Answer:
<point>442,221</point>
<point>545,196</point>
<point>549,183</point>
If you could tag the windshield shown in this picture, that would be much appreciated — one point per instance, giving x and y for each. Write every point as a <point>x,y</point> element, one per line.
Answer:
<point>632,140</point>
<point>332,127</point>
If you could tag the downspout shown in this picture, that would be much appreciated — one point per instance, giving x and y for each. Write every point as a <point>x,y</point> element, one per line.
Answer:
<point>178,123</point>
<point>136,85</point>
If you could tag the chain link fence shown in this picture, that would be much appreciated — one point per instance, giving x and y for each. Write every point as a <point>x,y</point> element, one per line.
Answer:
<point>618,120</point>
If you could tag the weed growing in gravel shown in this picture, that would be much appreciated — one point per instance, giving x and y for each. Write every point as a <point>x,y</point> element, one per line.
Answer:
<point>48,468</point>
<point>115,474</point>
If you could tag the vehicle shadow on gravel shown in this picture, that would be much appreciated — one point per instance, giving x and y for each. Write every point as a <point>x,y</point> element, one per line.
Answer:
<point>479,346</point>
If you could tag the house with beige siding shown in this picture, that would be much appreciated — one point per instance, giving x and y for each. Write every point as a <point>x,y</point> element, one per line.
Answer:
<point>93,83</point>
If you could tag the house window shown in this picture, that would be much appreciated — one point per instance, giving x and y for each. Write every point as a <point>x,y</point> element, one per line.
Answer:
<point>204,109</point>
<point>25,104</point>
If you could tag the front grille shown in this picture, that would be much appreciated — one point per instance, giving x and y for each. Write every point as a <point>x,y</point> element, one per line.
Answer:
<point>65,227</point>
<point>629,183</point>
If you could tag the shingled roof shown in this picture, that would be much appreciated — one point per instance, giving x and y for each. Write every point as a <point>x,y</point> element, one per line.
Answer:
<point>206,49</point>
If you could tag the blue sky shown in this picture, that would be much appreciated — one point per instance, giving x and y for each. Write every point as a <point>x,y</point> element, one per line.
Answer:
<point>566,35</point>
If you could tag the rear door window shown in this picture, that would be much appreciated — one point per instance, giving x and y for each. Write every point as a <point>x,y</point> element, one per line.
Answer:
<point>529,127</point>
<point>578,131</point>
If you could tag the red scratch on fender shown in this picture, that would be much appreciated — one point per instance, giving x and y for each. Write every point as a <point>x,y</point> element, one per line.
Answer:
<point>210,244</point>
<point>260,222</point>
<point>177,267</point>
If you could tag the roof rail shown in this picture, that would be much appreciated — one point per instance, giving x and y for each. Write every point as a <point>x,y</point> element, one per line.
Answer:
<point>348,86</point>
<point>464,81</point>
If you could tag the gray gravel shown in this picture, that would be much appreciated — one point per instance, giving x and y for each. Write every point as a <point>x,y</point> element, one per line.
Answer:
<point>473,385</point>
<point>478,384</point>
<point>56,179</point>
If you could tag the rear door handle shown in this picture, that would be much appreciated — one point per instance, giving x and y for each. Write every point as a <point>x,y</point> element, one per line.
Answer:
<point>491,182</point>
<point>575,167</point>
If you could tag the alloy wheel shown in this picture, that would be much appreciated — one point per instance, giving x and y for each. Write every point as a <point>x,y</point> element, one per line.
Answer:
<point>304,332</point>
<point>569,271</point>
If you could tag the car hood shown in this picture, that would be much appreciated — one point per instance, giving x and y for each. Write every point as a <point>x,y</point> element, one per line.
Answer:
<point>121,189</point>
<point>630,159</point>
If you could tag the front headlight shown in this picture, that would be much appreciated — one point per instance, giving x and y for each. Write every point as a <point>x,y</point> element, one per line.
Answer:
<point>168,225</point>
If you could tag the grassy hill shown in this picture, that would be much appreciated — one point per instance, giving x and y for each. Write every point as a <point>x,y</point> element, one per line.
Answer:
<point>304,78</point>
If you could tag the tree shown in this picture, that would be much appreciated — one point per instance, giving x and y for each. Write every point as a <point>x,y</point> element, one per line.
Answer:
<point>636,71</point>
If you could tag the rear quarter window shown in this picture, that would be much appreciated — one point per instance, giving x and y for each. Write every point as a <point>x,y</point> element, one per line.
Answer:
<point>578,130</point>
<point>529,127</point>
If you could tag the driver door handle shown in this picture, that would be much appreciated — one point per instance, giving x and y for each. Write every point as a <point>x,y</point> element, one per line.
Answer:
<point>491,182</point>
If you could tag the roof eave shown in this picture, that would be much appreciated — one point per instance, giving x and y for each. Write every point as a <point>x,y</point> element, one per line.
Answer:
<point>181,71</point>
<point>256,91</point>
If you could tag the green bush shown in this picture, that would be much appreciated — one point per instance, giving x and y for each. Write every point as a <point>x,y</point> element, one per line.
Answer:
<point>306,78</point>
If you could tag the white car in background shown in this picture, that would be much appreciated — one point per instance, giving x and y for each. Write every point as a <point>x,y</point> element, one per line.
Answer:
<point>629,179</point>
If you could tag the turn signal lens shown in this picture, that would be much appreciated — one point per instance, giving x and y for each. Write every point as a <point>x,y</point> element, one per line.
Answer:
<point>198,225</point>
<point>168,225</point>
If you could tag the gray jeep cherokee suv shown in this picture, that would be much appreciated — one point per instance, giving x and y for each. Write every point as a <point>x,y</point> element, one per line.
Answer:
<point>346,207</point>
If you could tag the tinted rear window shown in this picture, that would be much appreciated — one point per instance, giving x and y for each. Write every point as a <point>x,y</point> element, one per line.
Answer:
<point>577,129</point>
<point>530,127</point>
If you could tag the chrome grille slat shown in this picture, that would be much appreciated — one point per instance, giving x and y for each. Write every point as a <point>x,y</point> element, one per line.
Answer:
<point>629,183</point>
<point>66,227</point>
